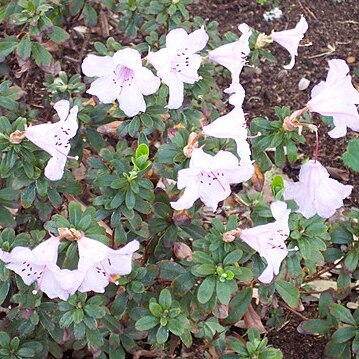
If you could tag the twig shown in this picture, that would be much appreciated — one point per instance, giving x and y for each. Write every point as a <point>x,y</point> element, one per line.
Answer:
<point>318,274</point>
<point>293,311</point>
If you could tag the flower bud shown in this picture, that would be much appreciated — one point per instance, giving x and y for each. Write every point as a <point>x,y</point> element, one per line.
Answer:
<point>71,234</point>
<point>230,236</point>
<point>262,41</point>
<point>17,136</point>
<point>191,144</point>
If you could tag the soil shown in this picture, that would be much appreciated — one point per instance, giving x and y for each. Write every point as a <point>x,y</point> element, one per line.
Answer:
<point>332,25</point>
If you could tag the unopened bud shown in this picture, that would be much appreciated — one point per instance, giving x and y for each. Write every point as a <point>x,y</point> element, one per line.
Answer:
<point>191,144</point>
<point>17,136</point>
<point>262,41</point>
<point>71,234</point>
<point>230,236</point>
<point>182,251</point>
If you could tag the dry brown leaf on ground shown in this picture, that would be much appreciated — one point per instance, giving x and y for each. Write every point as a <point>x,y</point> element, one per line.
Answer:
<point>109,129</point>
<point>252,320</point>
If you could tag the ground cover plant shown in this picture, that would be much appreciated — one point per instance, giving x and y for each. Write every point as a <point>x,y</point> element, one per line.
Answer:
<point>146,211</point>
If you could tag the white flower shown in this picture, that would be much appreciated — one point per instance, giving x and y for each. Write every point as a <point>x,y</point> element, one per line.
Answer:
<point>178,62</point>
<point>233,125</point>
<point>39,265</point>
<point>338,98</point>
<point>121,77</point>
<point>54,138</point>
<point>233,55</point>
<point>290,39</point>
<point>97,263</point>
<point>316,193</point>
<point>209,178</point>
<point>269,240</point>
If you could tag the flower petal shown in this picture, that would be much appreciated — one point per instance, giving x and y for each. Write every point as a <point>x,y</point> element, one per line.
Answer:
<point>98,66</point>
<point>131,100</point>
<point>55,168</point>
<point>176,89</point>
<point>129,58</point>
<point>62,108</point>
<point>197,40</point>
<point>176,39</point>
<point>146,81</point>
<point>105,89</point>
<point>189,196</point>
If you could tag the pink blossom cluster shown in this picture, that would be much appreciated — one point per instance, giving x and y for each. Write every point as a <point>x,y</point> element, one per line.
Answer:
<point>96,267</point>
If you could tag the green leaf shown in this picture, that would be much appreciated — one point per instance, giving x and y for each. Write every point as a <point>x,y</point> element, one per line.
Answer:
<point>155,309</point>
<point>4,339</point>
<point>66,319</point>
<point>176,326</point>
<point>94,311</point>
<point>58,35</point>
<point>351,260</point>
<point>316,326</point>
<point>74,213</point>
<point>41,56</point>
<point>4,289</point>
<point>78,315</point>
<point>90,16</point>
<point>6,218</point>
<point>350,156</point>
<point>342,335</point>
<point>223,290</point>
<point>23,50</point>
<point>165,299</point>
<point>232,257</point>
<point>162,335</point>
<point>8,45</point>
<point>147,322</point>
<point>289,292</point>
<point>206,289</point>
<point>239,305</point>
<point>342,314</point>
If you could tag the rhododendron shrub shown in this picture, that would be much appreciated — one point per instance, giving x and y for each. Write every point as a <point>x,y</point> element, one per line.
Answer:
<point>143,206</point>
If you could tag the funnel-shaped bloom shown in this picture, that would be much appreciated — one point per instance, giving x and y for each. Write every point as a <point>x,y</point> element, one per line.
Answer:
<point>233,125</point>
<point>97,263</point>
<point>39,265</point>
<point>178,62</point>
<point>338,98</point>
<point>290,39</point>
<point>209,178</point>
<point>269,240</point>
<point>316,193</point>
<point>54,138</point>
<point>232,56</point>
<point>121,77</point>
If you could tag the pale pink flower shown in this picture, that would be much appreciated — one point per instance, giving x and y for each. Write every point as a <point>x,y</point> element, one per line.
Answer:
<point>233,125</point>
<point>338,98</point>
<point>316,193</point>
<point>178,62</point>
<point>233,56</point>
<point>39,265</point>
<point>121,77</point>
<point>54,138</point>
<point>269,240</point>
<point>209,178</point>
<point>98,262</point>
<point>290,39</point>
